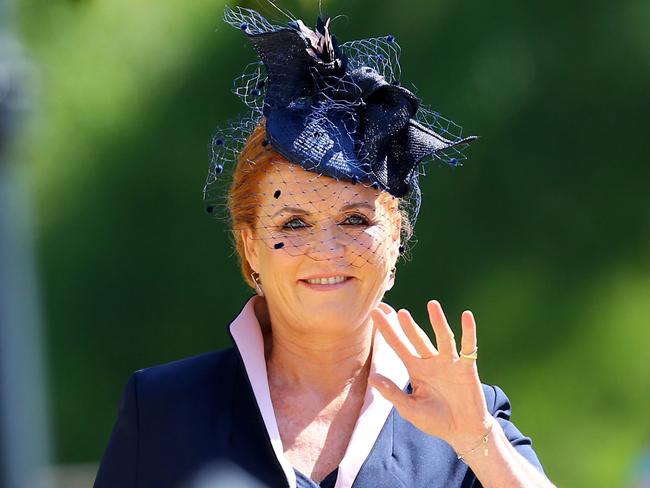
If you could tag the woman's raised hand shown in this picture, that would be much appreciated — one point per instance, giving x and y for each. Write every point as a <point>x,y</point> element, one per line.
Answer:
<point>447,399</point>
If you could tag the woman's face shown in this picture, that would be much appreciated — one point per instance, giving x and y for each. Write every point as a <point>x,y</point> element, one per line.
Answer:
<point>323,248</point>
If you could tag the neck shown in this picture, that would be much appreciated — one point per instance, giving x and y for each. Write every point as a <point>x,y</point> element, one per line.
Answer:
<point>324,364</point>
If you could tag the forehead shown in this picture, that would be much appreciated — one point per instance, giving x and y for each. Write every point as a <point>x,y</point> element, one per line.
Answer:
<point>289,184</point>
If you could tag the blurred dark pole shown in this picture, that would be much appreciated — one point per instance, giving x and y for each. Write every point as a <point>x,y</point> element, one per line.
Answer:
<point>23,406</point>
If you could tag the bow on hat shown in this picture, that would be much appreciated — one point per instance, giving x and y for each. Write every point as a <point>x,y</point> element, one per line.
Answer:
<point>351,125</point>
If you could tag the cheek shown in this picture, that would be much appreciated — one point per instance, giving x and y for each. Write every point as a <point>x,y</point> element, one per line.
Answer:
<point>278,264</point>
<point>372,246</point>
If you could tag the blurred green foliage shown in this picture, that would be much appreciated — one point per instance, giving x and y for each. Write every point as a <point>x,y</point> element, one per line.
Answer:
<point>544,233</point>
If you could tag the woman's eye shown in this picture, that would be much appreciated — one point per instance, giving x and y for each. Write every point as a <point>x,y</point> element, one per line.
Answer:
<point>294,223</point>
<point>355,220</point>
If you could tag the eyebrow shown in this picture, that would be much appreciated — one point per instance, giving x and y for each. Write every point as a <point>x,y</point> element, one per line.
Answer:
<point>344,208</point>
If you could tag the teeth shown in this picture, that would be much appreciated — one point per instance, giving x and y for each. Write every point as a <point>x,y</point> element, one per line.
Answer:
<point>327,281</point>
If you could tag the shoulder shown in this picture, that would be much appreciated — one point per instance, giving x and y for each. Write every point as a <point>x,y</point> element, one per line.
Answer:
<point>169,421</point>
<point>497,401</point>
<point>184,376</point>
<point>499,406</point>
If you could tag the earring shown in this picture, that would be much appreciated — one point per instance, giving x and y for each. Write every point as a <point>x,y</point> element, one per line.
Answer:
<point>255,276</point>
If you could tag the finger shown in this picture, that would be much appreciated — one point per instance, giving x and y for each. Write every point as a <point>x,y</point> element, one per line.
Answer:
<point>394,341</point>
<point>390,391</point>
<point>387,309</point>
<point>416,335</point>
<point>468,340</point>
<point>444,335</point>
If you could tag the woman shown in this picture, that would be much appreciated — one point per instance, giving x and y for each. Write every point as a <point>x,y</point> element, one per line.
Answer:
<point>326,385</point>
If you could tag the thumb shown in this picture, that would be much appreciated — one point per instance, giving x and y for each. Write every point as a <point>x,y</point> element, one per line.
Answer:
<point>390,391</point>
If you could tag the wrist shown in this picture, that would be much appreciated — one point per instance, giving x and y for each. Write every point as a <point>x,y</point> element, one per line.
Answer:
<point>470,443</point>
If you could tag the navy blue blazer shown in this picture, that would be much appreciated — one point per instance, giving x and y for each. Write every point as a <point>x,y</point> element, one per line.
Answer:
<point>177,419</point>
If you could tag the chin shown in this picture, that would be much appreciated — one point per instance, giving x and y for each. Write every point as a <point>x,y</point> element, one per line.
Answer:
<point>331,314</point>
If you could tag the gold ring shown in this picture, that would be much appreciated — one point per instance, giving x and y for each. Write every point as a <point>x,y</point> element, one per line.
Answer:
<point>472,355</point>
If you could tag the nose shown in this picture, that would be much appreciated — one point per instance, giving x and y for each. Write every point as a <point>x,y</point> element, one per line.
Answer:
<point>327,243</point>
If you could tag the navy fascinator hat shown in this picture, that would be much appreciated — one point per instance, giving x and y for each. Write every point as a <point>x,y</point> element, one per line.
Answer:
<point>337,110</point>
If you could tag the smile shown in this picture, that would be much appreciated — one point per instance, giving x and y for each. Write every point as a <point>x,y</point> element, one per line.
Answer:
<point>328,281</point>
